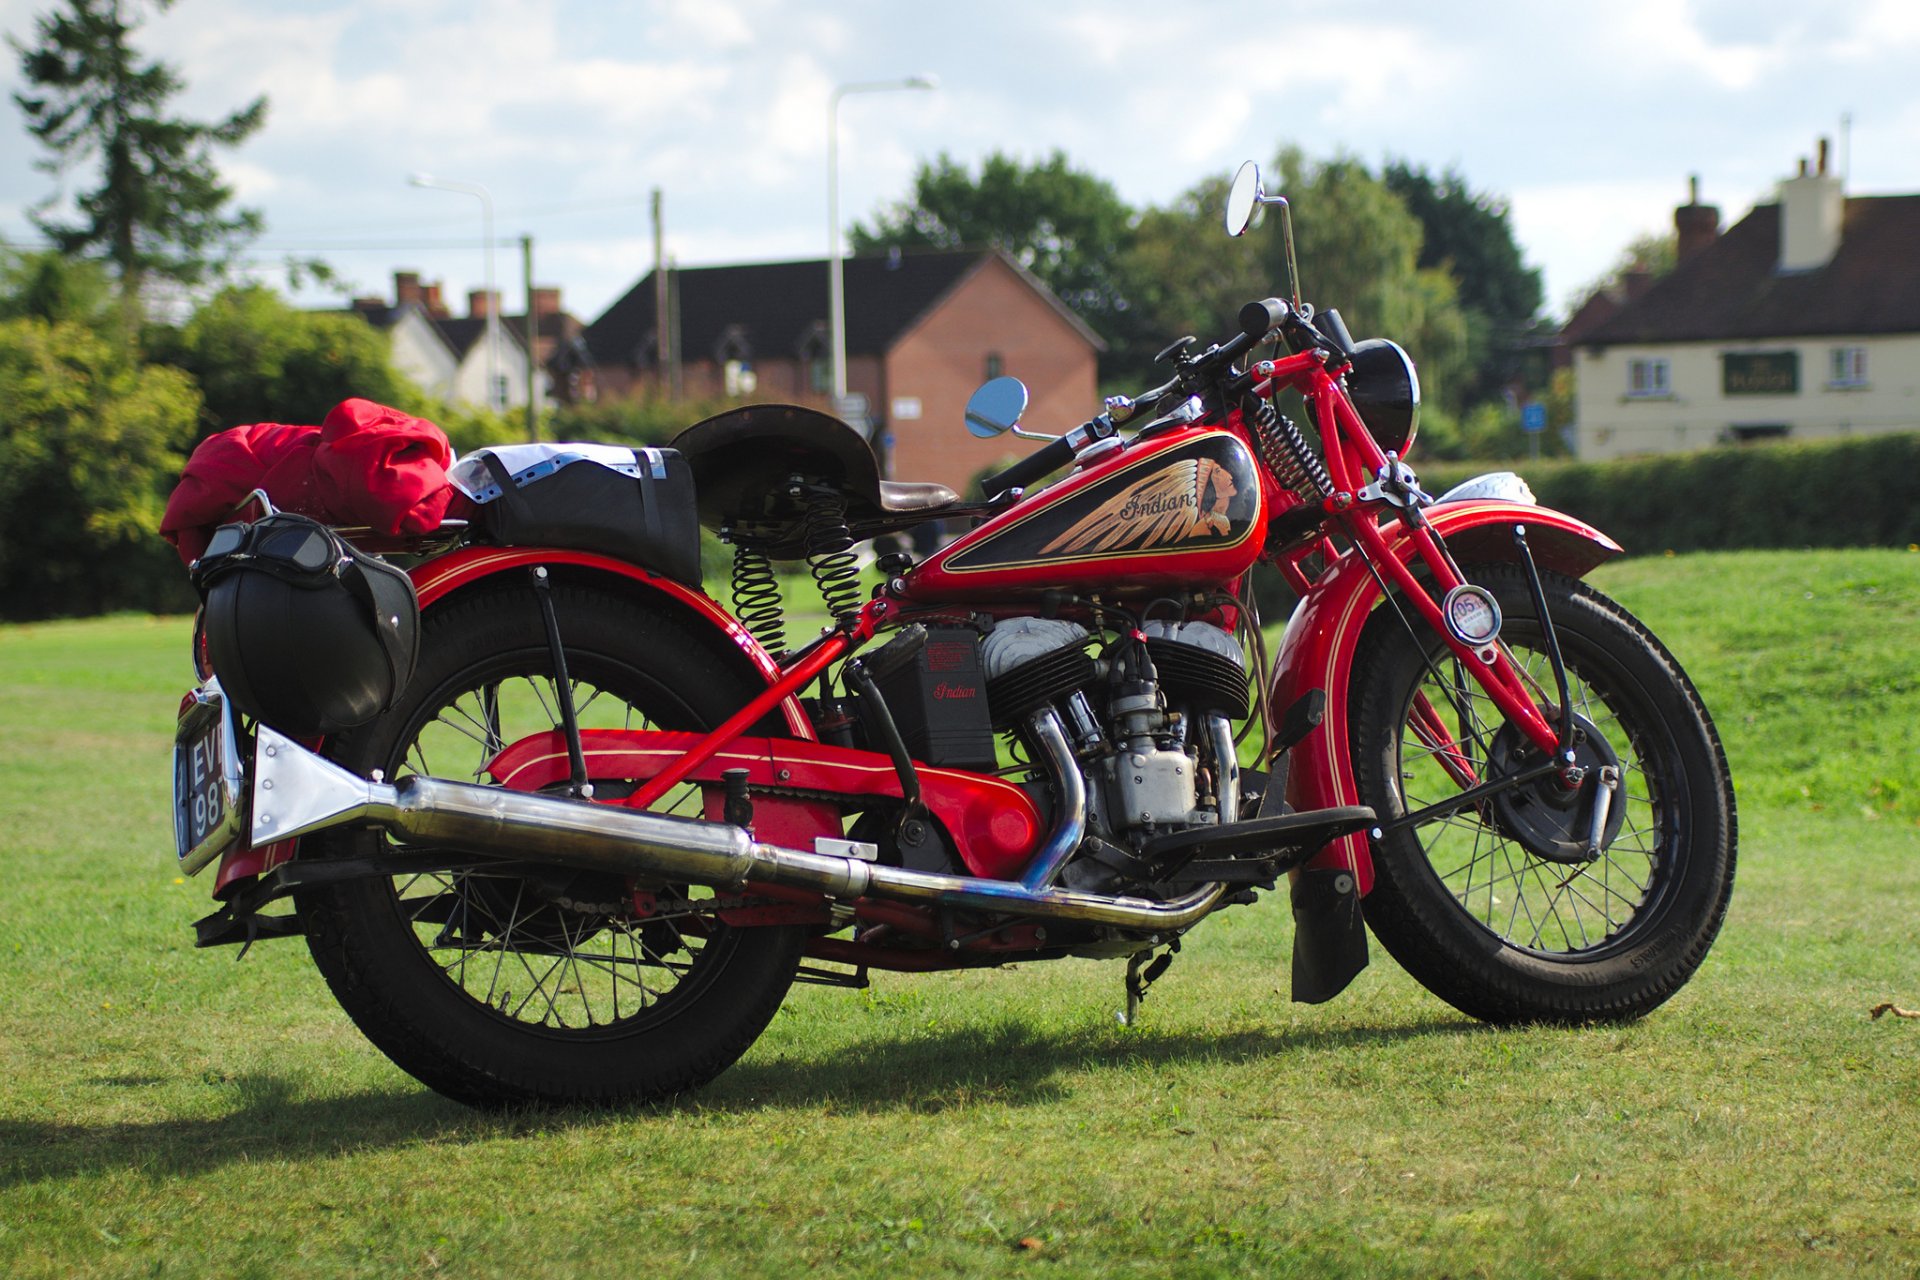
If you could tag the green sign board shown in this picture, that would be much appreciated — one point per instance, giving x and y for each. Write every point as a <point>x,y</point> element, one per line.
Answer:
<point>1760,373</point>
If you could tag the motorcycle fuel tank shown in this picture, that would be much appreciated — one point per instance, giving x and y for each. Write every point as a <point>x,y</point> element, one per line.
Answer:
<point>1179,512</point>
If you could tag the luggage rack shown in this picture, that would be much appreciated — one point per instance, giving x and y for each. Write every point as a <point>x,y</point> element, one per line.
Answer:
<point>450,533</point>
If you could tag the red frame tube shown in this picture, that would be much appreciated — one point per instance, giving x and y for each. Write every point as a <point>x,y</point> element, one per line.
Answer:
<point>792,680</point>
<point>1499,678</point>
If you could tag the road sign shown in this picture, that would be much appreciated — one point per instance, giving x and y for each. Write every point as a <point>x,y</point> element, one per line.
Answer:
<point>1533,417</point>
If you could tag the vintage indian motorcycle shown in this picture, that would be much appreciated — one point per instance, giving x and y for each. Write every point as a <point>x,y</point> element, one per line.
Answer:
<point>559,829</point>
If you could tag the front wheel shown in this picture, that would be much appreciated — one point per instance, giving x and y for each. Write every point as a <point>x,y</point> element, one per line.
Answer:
<point>1498,908</point>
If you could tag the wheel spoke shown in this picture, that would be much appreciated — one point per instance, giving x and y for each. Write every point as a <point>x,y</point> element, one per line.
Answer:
<point>1514,894</point>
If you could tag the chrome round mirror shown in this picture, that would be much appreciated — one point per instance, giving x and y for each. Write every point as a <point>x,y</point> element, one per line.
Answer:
<point>996,407</point>
<point>1246,200</point>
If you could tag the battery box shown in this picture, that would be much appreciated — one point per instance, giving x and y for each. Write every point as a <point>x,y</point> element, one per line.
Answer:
<point>939,702</point>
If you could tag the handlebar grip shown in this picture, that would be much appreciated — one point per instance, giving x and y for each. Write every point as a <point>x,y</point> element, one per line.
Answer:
<point>1030,468</point>
<point>1258,319</point>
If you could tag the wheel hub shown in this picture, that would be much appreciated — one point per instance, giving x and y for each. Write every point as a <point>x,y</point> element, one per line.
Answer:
<point>544,912</point>
<point>1548,818</point>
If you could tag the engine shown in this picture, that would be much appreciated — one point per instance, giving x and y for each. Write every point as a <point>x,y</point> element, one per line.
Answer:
<point>1150,720</point>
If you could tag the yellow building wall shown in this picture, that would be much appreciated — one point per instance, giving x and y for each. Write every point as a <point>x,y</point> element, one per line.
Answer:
<point>1696,414</point>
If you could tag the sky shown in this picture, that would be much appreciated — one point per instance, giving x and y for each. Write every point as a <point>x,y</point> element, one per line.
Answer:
<point>1586,118</point>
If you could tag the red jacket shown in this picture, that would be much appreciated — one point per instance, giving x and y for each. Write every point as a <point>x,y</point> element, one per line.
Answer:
<point>365,464</point>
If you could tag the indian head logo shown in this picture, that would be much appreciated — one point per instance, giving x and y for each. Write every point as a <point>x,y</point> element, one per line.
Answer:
<point>1175,504</point>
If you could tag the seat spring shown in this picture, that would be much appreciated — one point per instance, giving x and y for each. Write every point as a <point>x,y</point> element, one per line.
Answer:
<point>830,557</point>
<point>1288,455</point>
<point>756,597</point>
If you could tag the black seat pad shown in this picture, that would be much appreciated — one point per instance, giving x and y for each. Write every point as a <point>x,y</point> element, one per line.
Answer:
<point>744,462</point>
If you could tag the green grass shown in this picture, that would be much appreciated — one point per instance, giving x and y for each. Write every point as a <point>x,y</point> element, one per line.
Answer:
<point>169,1112</point>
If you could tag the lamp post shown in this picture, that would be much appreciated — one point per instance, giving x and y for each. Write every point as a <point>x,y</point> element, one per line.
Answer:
<point>493,299</point>
<point>836,287</point>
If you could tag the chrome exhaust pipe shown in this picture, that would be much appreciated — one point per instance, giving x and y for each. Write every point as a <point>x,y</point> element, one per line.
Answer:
<point>296,792</point>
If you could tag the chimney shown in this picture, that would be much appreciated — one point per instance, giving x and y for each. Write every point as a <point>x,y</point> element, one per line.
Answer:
<point>406,288</point>
<point>430,299</point>
<point>1638,279</point>
<point>546,300</point>
<point>1695,225</point>
<point>1812,206</point>
<point>482,303</point>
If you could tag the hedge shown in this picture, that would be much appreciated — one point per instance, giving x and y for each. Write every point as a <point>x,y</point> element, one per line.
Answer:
<point>1833,493</point>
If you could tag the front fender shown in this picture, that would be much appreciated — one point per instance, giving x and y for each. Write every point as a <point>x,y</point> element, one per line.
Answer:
<point>1316,652</point>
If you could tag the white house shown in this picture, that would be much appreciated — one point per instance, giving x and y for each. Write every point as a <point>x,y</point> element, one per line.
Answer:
<point>447,355</point>
<point>1802,321</point>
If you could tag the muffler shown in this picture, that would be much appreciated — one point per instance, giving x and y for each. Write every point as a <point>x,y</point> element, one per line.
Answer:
<point>296,792</point>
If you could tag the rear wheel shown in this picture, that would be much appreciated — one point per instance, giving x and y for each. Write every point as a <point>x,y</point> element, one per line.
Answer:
<point>1497,908</point>
<point>555,988</point>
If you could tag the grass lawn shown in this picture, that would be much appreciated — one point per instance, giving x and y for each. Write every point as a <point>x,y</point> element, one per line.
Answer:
<point>165,1111</point>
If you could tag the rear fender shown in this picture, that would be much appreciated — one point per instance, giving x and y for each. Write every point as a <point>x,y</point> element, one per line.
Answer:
<point>1316,652</point>
<point>449,575</point>
<point>446,577</point>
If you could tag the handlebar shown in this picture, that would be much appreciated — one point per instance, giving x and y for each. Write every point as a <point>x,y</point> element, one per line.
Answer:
<point>1052,457</point>
<point>1257,320</point>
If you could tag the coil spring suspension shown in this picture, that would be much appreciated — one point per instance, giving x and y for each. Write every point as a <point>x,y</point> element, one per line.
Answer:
<point>830,556</point>
<point>1287,454</point>
<point>756,597</point>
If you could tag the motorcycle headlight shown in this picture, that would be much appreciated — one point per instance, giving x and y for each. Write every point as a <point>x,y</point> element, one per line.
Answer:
<point>1386,390</point>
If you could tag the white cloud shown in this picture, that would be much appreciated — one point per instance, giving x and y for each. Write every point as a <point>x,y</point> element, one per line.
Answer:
<point>1589,117</point>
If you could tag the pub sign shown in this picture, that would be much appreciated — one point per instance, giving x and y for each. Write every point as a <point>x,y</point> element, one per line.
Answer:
<point>1760,373</point>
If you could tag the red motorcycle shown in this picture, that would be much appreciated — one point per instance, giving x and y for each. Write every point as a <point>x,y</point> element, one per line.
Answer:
<point>558,828</point>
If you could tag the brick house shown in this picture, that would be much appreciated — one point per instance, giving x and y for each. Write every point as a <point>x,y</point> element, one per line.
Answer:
<point>923,330</point>
<point>1801,321</point>
<point>446,355</point>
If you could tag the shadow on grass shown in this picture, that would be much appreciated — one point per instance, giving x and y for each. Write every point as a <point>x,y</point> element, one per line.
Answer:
<point>270,1123</point>
<point>1003,1064</point>
<point>1012,1063</point>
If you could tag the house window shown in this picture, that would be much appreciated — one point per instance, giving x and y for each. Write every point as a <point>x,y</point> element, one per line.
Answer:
<point>734,354</point>
<point>1753,432</point>
<point>1847,367</point>
<point>1650,377</point>
<point>816,364</point>
<point>996,365</point>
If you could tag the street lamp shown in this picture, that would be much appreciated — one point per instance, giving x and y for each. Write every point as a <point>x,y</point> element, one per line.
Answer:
<point>836,287</point>
<point>493,299</point>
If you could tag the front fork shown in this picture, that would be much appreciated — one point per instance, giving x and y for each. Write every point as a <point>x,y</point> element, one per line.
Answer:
<point>1493,668</point>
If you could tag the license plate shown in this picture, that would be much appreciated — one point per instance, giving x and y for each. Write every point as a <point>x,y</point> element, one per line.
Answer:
<point>209,782</point>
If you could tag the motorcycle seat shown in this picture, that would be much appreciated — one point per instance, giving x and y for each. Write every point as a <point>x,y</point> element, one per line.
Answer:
<point>906,497</point>
<point>746,462</point>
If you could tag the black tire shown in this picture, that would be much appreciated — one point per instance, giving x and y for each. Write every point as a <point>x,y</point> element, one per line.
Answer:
<point>1472,911</point>
<point>547,991</point>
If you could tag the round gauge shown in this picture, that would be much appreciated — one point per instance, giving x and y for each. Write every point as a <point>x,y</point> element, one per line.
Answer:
<point>1472,615</point>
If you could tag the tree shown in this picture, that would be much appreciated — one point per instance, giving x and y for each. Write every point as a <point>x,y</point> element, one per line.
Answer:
<point>159,207</point>
<point>1358,250</point>
<point>259,359</point>
<point>1467,234</point>
<point>1653,253</point>
<point>90,444</point>
<point>1068,227</point>
<point>54,287</point>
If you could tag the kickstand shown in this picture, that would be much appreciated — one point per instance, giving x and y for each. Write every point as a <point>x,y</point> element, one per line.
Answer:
<point>1143,970</point>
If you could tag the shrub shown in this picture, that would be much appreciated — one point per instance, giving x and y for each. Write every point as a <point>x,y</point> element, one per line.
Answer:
<point>90,445</point>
